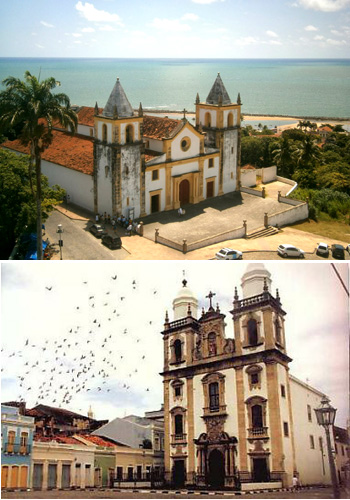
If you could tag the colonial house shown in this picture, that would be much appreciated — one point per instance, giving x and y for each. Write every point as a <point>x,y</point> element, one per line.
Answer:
<point>17,432</point>
<point>342,454</point>
<point>130,163</point>
<point>233,413</point>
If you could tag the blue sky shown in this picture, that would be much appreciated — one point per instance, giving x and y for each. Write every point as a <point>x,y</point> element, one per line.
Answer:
<point>181,28</point>
<point>38,343</point>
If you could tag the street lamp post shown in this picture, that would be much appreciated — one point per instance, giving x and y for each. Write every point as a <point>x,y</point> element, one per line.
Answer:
<point>60,242</point>
<point>325,415</point>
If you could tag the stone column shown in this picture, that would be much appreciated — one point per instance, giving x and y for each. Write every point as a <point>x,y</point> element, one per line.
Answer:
<point>45,474</point>
<point>59,474</point>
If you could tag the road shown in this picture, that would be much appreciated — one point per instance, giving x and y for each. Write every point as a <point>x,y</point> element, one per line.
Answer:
<point>303,493</point>
<point>78,242</point>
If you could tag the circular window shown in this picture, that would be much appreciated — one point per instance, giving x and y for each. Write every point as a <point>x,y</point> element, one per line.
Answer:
<point>185,143</point>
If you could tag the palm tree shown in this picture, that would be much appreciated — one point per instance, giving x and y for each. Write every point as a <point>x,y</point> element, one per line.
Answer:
<point>308,152</point>
<point>32,108</point>
<point>283,156</point>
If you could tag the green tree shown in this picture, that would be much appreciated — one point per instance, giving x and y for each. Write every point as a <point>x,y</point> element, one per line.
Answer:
<point>307,153</point>
<point>284,159</point>
<point>31,106</point>
<point>18,208</point>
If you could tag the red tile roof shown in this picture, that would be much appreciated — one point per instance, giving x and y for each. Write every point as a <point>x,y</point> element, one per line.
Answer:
<point>97,440</point>
<point>248,167</point>
<point>150,155</point>
<point>71,151</point>
<point>86,115</point>
<point>155,127</point>
<point>57,439</point>
<point>325,129</point>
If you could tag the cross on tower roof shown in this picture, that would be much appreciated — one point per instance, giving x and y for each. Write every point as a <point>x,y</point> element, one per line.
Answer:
<point>184,112</point>
<point>210,296</point>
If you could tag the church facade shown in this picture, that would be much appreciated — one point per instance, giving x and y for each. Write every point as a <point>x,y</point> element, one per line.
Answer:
<point>234,416</point>
<point>126,162</point>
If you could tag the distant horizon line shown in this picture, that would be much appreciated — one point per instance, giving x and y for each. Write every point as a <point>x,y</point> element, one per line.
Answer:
<point>186,58</point>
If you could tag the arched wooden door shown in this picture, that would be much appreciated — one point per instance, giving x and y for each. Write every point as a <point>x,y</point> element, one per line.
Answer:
<point>216,469</point>
<point>184,192</point>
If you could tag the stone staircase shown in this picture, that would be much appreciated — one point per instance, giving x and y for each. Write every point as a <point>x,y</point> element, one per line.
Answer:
<point>262,232</point>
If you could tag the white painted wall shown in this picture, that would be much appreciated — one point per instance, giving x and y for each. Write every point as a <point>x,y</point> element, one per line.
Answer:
<point>153,186</point>
<point>109,130</point>
<point>230,161</point>
<point>248,178</point>
<point>130,184</point>
<point>79,186</point>
<point>211,172</point>
<point>185,168</point>
<point>269,174</point>
<point>177,153</point>
<point>284,409</point>
<point>226,113</point>
<point>123,131</point>
<point>85,130</point>
<point>154,144</point>
<point>309,461</point>
<point>104,182</point>
<point>289,216</point>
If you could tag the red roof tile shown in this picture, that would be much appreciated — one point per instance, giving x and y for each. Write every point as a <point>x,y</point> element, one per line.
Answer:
<point>155,127</point>
<point>71,151</point>
<point>99,441</point>
<point>150,155</point>
<point>57,439</point>
<point>86,115</point>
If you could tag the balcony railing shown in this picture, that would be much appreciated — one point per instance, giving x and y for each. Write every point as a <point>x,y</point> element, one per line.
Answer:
<point>179,437</point>
<point>256,432</point>
<point>16,449</point>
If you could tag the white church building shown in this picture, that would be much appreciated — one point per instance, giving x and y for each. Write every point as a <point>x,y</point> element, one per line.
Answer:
<point>126,162</point>
<point>234,416</point>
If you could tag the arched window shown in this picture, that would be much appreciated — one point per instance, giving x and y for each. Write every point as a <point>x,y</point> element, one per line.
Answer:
<point>207,120</point>
<point>230,120</point>
<point>104,132</point>
<point>129,134</point>
<point>278,332</point>
<point>252,332</point>
<point>178,422</point>
<point>257,417</point>
<point>178,350</point>
<point>212,350</point>
<point>11,436</point>
<point>214,403</point>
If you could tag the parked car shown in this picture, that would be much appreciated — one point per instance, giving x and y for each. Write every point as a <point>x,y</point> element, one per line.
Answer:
<point>322,249</point>
<point>112,242</point>
<point>229,254</point>
<point>97,230</point>
<point>290,251</point>
<point>338,251</point>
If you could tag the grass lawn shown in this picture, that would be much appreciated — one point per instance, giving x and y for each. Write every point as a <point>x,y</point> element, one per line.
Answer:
<point>325,226</point>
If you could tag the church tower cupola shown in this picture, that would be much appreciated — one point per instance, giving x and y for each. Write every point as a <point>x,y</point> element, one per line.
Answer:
<point>118,103</point>
<point>185,300</point>
<point>255,280</point>
<point>218,93</point>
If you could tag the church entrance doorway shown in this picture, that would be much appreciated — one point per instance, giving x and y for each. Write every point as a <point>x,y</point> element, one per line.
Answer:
<point>216,469</point>
<point>179,473</point>
<point>210,189</point>
<point>260,470</point>
<point>184,192</point>
<point>155,203</point>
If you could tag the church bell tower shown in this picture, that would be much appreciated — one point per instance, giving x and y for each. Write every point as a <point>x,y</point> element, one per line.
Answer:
<point>118,157</point>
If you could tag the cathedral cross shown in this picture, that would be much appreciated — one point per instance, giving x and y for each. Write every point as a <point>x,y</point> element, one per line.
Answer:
<point>184,112</point>
<point>210,296</point>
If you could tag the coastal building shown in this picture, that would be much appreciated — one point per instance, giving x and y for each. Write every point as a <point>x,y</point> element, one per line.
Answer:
<point>140,446</point>
<point>342,454</point>
<point>16,448</point>
<point>233,413</point>
<point>130,163</point>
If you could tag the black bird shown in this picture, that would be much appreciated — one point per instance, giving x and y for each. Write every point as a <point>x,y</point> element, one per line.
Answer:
<point>48,288</point>
<point>114,277</point>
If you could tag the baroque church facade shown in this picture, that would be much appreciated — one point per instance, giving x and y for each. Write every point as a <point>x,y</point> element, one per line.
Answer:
<point>234,416</point>
<point>126,162</point>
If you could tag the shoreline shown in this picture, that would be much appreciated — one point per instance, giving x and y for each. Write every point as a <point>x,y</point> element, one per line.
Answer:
<point>258,117</point>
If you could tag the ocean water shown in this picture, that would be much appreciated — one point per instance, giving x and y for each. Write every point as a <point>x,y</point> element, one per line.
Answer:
<point>297,87</point>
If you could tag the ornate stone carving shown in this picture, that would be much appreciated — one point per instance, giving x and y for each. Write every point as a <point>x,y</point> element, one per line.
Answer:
<point>215,427</point>
<point>229,346</point>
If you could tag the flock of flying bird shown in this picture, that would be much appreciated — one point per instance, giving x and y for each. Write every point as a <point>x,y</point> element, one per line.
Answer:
<point>99,353</point>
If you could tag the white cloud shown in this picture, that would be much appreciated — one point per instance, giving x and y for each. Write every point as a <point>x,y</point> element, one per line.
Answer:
<point>39,46</point>
<point>325,5</point>
<point>271,33</point>
<point>318,37</point>
<point>89,12</point>
<point>206,2</point>
<point>34,34</point>
<point>77,35</point>
<point>309,27</point>
<point>106,27</point>
<point>190,17</point>
<point>247,40</point>
<point>77,41</point>
<point>169,25</point>
<point>47,25</point>
<point>274,42</point>
<point>336,32</point>
<point>88,30</point>
<point>331,41</point>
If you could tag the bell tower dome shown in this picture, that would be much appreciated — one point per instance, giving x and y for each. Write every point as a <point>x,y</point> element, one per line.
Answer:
<point>185,300</point>
<point>254,280</point>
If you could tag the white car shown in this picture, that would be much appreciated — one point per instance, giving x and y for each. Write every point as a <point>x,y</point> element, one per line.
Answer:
<point>229,254</point>
<point>322,249</point>
<point>290,251</point>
